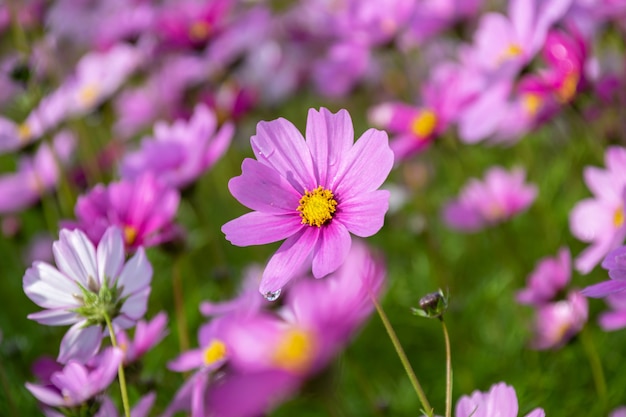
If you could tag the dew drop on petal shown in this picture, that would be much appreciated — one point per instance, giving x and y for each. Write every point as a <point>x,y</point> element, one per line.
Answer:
<point>272,295</point>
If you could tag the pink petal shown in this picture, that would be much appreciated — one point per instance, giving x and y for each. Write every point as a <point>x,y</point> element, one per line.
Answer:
<point>75,256</point>
<point>331,250</point>
<point>110,255</point>
<point>280,145</point>
<point>257,228</point>
<point>366,166</point>
<point>329,137</point>
<point>604,288</point>
<point>136,275</point>
<point>591,220</point>
<point>136,305</point>
<point>289,259</point>
<point>55,317</point>
<point>262,188</point>
<point>46,395</point>
<point>49,288</point>
<point>364,215</point>
<point>80,343</point>
<point>187,361</point>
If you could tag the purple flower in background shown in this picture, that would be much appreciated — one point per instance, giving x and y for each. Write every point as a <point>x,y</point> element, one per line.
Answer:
<point>147,335</point>
<point>557,322</point>
<point>88,284</point>
<point>502,195</point>
<point>615,318</point>
<point>615,263</point>
<point>550,276</point>
<point>141,408</point>
<point>36,175</point>
<point>499,401</point>
<point>414,127</point>
<point>143,208</point>
<point>314,192</point>
<point>600,220</point>
<point>180,153</point>
<point>76,383</point>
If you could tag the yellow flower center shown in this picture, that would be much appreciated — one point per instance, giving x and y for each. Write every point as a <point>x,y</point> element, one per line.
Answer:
<point>295,351</point>
<point>567,90</point>
<point>512,51</point>
<point>317,206</point>
<point>130,234</point>
<point>199,31</point>
<point>531,103</point>
<point>214,352</point>
<point>618,217</point>
<point>24,132</point>
<point>424,124</point>
<point>88,94</point>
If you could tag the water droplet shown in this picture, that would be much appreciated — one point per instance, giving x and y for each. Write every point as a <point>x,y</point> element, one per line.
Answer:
<point>272,295</point>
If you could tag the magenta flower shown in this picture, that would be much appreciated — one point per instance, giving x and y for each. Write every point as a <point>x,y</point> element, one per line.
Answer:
<point>180,153</point>
<point>499,401</point>
<point>600,220</point>
<point>143,208</point>
<point>76,383</point>
<point>147,335</point>
<point>501,196</point>
<point>87,284</point>
<point>556,323</point>
<point>615,263</point>
<point>550,276</point>
<point>313,192</point>
<point>615,318</point>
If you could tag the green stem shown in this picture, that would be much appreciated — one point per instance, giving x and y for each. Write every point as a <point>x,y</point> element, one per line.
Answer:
<point>179,306</point>
<point>120,369</point>
<point>403,358</point>
<point>448,370</point>
<point>596,366</point>
<point>5,387</point>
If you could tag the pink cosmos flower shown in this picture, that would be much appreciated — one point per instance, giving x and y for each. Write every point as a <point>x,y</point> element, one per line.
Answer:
<point>147,335</point>
<point>615,318</point>
<point>86,282</point>
<point>36,175</point>
<point>501,196</point>
<point>499,401</point>
<point>615,263</point>
<point>600,220</point>
<point>180,153</point>
<point>313,192</point>
<point>550,276</point>
<point>143,208</point>
<point>557,322</point>
<point>76,383</point>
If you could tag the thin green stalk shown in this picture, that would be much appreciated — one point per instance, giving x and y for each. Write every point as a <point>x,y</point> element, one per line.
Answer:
<point>179,307</point>
<point>120,369</point>
<point>596,366</point>
<point>448,369</point>
<point>5,388</point>
<point>403,358</point>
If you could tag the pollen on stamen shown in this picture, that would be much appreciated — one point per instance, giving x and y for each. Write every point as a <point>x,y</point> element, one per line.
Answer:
<point>317,207</point>
<point>130,235</point>
<point>295,351</point>
<point>424,124</point>
<point>618,217</point>
<point>214,352</point>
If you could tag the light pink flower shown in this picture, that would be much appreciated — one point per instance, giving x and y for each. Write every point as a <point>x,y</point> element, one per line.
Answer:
<point>86,281</point>
<point>501,196</point>
<point>179,153</point>
<point>549,277</point>
<point>312,192</point>
<point>600,220</point>
<point>557,322</point>
<point>499,401</point>
<point>143,208</point>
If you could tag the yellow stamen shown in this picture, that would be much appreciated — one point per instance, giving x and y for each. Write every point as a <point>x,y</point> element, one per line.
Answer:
<point>130,234</point>
<point>566,91</point>
<point>317,206</point>
<point>295,351</point>
<point>512,51</point>
<point>88,94</point>
<point>618,217</point>
<point>24,132</point>
<point>424,124</point>
<point>199,31</point>
<point>214,352</point>
<point>532,103</point>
